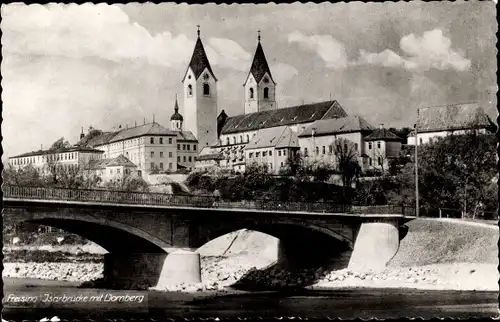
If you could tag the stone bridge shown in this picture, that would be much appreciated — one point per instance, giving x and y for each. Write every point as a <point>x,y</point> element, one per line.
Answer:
<point>153,238</point>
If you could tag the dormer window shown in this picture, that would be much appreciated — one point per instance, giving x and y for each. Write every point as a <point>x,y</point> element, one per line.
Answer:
<point>190,90</point>
<point>266,92</point>
<point>251,92</point>
<point>206,89</point>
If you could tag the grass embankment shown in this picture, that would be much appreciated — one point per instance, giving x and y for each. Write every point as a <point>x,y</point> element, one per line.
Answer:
<point>434,241</point>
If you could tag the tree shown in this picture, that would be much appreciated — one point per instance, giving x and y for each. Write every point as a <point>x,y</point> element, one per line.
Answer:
<point>346,161</point>
<point>26,176</point>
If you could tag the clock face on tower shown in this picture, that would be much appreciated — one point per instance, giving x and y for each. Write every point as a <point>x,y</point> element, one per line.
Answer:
<point>266,80</point>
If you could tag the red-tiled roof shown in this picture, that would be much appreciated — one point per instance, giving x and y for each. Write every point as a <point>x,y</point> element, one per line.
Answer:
<point>382,135</point>
<point>283,116</point>
<point>452,117</point>
<point>61,150</point>
<point>339,125</point>
<point>199,61</point>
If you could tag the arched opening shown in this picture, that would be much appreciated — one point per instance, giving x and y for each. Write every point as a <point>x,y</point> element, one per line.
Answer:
<point>266,92</point>
<point>206,89</point>
<point>251,92</point>
<point>190,90</point>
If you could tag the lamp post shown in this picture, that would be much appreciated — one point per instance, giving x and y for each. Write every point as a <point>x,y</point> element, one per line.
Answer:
<point>416,170</point>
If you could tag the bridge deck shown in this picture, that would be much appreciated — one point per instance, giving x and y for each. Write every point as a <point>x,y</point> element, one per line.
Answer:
<point>14,195</point>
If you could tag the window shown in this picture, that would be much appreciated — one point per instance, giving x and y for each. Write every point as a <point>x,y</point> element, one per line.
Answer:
<point>305,152</point>
<point>355,146</point>
<point>152,154</point>
<point>251,92</point>
<point>317,150</point>
<point>279,153</point>
<point>190,159</point>
<point>264,154</point>
<point>183,147</point>
<point>152,165</point>
<point>370,161</point>
<point>126,153</point>
<point>170,154</point>
<point>420,140</point>
<point>250,155</point>
<point>369,146</point>
<point>152,140</point>
<point>270,166</point>
<point>118,171</point>
<point>241,138</point>
<point>234,139</point>
<point>161,165</point>
<point>188,147</point>
<point>170,165</point>
<point>324,150</point>
<point>169,140</point>
<point>178,146</point>
<point>257,154</point>
<point>379,161</point>
<point>178,159</point>
<point>190,90</point>
<point>227,141</point>
<point>161,154</point>
<point>282,164</point>
<point>206,89</point>
<point>161,140</point>
<point>378,145</point>
<point>266,92</point>
<point>194,147</point>
<point>184,158</point>
<point>284,152</point>
<point>248,138</point>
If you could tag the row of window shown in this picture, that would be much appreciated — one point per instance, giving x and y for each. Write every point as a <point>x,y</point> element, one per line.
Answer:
<point>186,147</point>
<point>46,158</point>
<point>370,145</point>
<point>206,89</point>
<point>264,154</point>
<point>235,139</point>
<point>118,171</point>
<point>330,149</point>
<point>170,154</point>
<point>160,140</point>
<point>266,92</point>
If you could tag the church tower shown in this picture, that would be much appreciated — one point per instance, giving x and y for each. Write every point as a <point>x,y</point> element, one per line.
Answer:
<point>260,87</point>
<point>176,119</point>
<point>200,97</point>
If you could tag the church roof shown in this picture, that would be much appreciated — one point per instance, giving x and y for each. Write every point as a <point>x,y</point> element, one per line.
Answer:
<point>142,130</point>
<point>61,150</point>
<point>335,126</point>
<point>176,116</point>
<point>284,116</point>
<point>199,60</point>
<point>382,135</point>
<point>186,136</point>
<point>277,137</point>
<point>452,117</point>
<point>259,65</point>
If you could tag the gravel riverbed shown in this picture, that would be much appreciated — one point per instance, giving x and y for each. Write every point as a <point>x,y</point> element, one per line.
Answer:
<point>219,273</point>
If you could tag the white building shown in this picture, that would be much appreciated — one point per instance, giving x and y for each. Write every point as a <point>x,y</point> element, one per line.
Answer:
<point>440,121</point>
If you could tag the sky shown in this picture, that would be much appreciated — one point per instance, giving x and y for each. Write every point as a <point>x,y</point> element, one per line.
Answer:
<point>68,66</point>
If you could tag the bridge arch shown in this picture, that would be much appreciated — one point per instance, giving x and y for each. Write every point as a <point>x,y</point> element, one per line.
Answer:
<point>112,235</point>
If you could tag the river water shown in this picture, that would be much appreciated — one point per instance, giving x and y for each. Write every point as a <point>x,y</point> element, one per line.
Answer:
<point>342,303</point>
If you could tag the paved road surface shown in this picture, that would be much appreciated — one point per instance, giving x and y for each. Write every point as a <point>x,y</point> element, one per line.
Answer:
<point>348,303</point>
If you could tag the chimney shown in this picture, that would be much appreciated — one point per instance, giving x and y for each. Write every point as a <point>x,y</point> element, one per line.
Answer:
<point>82,135</point>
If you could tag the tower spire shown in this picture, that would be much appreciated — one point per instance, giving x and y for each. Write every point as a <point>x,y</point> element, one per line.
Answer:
<point>198,30</point>
<point>258,37</point>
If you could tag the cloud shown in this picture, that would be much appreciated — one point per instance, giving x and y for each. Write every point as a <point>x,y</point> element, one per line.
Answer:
<point>228,53</point>
<point>328,48</point>
<point>431,50</point>
<point>282,73</point>
<point>103,31</point>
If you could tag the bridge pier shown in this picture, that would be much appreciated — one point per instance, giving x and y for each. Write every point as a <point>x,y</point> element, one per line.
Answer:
<point>139,270</point>
<point>376,244</point>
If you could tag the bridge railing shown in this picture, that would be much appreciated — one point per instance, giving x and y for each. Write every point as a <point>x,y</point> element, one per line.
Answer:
<point>161,199</point>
